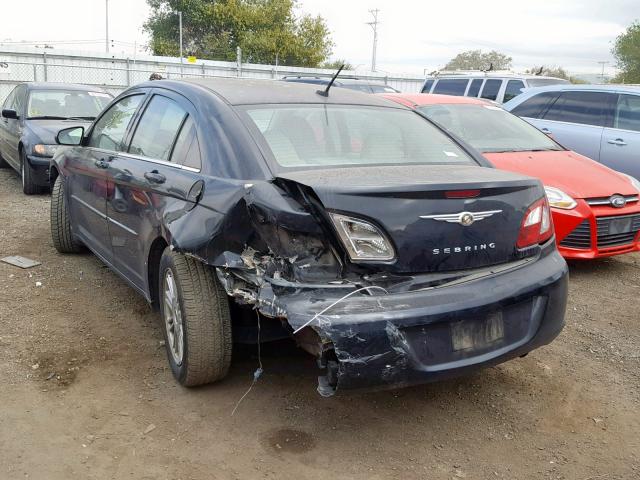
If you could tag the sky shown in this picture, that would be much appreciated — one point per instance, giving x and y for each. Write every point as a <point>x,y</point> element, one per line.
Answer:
<point>414,36</point>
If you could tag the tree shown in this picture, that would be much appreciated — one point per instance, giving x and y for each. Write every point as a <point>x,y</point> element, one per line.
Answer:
<point>336,64</point>
<point>477,60</point>
<point>626,49</point>
<point>553,71</point>
<point>263,29</point>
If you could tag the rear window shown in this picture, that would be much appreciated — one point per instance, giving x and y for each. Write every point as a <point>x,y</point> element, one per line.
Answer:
<point>451,86</point>
<point>307,136</point>
<point>489,128</point>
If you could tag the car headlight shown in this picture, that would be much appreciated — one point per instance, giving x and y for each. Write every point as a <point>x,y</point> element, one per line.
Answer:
<point>362,240</point>
<point>559,199</point>
<point>45,150</point>
<point>634,181</point>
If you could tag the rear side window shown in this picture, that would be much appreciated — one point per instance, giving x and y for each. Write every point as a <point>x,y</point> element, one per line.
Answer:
<point>628,113</point>
<point>587,108</point>
<point>427,86</point>
<point>110,129</point>
<point>534,106</point>
<point>491,89</point>
<point>451,86</point>
<point>158,128</point>
<point>187,151</point>
<point>474,88</point>
<point>514,88</point>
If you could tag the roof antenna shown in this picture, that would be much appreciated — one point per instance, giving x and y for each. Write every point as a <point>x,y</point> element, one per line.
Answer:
<point>539,72</point>
<point>325,92</point>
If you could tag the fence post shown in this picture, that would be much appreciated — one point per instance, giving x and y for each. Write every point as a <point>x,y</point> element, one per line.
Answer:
<point>239,60</point>
<point>44,61</point>
<point>128,73</point>
<point>204,73</point>
<point>35,72</point>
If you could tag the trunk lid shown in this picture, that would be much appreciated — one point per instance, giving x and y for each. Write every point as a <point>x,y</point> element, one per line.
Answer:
<point>410,205</point>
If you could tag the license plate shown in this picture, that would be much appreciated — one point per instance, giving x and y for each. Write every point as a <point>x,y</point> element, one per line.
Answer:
<point>620,225</point>
<point>477,334</point>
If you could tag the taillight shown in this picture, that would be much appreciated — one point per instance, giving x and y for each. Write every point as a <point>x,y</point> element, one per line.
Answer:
<point>537,226</point>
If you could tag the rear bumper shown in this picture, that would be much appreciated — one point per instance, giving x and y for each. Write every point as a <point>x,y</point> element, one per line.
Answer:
<point>396,340</point>
<point>39,169</point>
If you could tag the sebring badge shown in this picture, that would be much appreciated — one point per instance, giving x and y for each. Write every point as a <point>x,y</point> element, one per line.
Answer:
<point>463,218</point>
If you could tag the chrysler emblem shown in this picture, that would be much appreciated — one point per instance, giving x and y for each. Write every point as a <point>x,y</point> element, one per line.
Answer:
<point>463,218</point>
<point>617,201</point>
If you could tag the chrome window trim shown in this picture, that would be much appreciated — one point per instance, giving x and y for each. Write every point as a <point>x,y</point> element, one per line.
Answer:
<point>114,153</point>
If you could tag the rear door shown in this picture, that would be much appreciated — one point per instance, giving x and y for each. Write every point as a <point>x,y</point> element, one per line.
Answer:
<point>620,148</point>
<point>577,119</point>
<point>88,171</point>
<point>151,179</point>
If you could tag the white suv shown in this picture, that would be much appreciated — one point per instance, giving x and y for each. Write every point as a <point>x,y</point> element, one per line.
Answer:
<point>497,86</point>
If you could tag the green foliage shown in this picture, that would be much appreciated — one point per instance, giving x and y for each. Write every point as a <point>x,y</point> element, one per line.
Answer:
<point>263,29</point>
<point>626,49</point>
<point>336,64</point>
<point>477,60</point>
<point>557,72</point>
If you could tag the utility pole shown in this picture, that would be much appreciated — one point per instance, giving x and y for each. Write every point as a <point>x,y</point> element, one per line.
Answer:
<point>374,26</point>
<point>602,74</point>
<point>180,29</point>
<point>106,8</point>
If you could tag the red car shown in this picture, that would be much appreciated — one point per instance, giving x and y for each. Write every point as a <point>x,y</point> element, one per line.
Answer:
<point>596,211</point>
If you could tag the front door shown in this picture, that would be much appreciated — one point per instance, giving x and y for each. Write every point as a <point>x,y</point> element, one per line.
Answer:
<point>89,186</point>
<point>621,144</point>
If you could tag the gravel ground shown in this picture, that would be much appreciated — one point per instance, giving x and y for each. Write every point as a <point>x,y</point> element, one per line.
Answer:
<point>87,393</point>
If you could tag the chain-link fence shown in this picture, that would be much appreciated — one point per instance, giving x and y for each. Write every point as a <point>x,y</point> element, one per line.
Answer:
<point>114,74</point>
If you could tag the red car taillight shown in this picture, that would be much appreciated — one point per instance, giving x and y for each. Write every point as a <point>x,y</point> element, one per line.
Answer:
<point>537,226</point>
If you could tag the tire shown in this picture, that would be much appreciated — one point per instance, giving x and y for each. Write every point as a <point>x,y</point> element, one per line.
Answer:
<point>204,355</point>
<point>61,234</point>
<point>26,174</point>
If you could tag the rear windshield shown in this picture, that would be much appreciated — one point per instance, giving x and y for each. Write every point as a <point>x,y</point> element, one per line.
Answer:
<point>307,136</point>
<point>66,103</point>
<point>489,128</point>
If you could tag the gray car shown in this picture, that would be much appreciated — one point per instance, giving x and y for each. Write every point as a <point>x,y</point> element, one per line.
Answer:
<point>601,122</point>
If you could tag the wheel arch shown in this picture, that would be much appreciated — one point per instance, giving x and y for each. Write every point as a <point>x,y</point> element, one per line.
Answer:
<point>153,269</point>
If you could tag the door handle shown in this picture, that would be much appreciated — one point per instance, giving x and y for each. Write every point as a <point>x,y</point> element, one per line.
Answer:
<point>617,141</point>
<point>155,177</point>
<point>101,163</point>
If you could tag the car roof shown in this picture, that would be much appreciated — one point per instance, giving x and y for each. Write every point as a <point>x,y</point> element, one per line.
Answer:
<point>419,99</point>
<point>62,86</point>
<point>511,75</point>
<point>237,91</point>
<point>339,80</point>
<point>611,87</point>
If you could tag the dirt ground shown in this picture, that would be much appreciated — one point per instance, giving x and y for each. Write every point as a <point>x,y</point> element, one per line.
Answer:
<point>86,392</point>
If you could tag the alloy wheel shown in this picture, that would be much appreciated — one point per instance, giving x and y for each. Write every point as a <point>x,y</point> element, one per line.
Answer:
<point>172,314</point>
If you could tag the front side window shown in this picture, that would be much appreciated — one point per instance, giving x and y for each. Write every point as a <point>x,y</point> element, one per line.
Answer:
<point>427,86</point>
<point>474,88</point>
<point>491,89</point>
<point>628,113</point>
<point>158,128</point>
<point>489,128</point>
<point>66,104</point>
<point>307,136</point>
<point>513,89</point>
<point>109,131</point>
<point>587,108</point>
<point>451,86</point>
<point>534,106</point>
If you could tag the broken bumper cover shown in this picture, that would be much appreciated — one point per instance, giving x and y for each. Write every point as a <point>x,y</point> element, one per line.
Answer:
<point>402,339</point>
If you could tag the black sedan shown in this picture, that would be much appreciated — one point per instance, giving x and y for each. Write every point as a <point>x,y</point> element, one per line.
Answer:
<point>253,210</point>
<point>32,114</point>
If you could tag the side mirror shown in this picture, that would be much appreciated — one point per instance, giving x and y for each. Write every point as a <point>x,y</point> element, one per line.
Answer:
<point>8,113</point>
<point>70,136</point>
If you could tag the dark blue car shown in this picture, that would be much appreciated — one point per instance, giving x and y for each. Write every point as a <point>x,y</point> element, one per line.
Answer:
<point>32,114</point>
<point>255,210</point>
